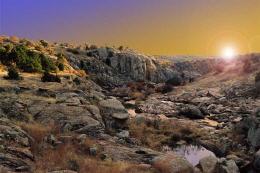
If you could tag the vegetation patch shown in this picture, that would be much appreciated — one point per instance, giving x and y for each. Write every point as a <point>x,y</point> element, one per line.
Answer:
<point>25,59</point>
<point>48,77</point>
<point>13,74</point>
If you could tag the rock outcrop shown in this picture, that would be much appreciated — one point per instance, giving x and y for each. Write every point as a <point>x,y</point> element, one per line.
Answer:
<point>114,68</point>
<point>172,163</point>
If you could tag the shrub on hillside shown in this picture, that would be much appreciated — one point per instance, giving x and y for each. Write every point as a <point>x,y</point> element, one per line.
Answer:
<point>13,74</point>
<point>61,66</point>
<point>47,77</point>
<point>60,61</point>
<point>28,61</point>
<point>47,64</point>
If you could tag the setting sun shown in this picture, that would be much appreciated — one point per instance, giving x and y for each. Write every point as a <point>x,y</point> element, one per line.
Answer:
<point>229,53</point>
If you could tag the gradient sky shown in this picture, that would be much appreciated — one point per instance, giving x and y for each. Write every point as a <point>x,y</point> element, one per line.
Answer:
<point>158,27</point>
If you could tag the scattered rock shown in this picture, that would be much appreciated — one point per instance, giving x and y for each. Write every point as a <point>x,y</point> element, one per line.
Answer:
<point>208,164</point>
<point>114,113</point>
<point>172,163</point>
<point>192,112</point>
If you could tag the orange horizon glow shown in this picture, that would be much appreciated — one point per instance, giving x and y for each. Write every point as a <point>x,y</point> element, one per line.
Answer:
<point>169,27</point>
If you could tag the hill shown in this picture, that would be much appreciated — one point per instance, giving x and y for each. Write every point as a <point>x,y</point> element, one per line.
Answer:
<point>66,108</point>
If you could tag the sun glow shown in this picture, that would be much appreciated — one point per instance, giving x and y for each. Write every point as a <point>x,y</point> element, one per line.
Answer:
<point>229,53</point>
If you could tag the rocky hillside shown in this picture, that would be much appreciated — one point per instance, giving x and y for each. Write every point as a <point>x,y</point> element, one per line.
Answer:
<point>68,109</point>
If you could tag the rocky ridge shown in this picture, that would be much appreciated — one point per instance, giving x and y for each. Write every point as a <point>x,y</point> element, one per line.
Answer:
<point>90,113</point>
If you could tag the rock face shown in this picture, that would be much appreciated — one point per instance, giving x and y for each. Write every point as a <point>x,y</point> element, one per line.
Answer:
<point>252,130</point>
<point>256,162</point>
<point>212,164</point>
<point>172,163</point>
<point>114,113</point>
<point>115,68</point>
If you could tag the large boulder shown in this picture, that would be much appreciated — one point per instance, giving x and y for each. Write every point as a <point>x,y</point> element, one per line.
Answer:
<point>256,162</point>
<point>114,113</point>
<point>227,166</point>
<point>172,163</point>
<point>212,164</point>
<point>192,112</point>
<point>208,164</point>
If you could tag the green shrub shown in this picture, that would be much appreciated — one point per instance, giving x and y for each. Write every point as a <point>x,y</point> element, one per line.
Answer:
<point>26,60</point>
<point>29,61</point>
<point>47,64</point>
<point>9,47</point>
<point>60,61</point>
<point>13,74</point>
<point>61,66</point>
<point>2,53</point>
<point>47,77</point>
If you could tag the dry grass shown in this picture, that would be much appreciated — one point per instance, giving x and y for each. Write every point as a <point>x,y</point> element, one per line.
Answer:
<point>154,133</point>
<point>69,157</point>
<point>94,166</point>
<point>137,95</point>
<point>38,132</point>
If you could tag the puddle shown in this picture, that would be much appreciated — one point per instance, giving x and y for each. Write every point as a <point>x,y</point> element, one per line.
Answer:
<point>193,153</point>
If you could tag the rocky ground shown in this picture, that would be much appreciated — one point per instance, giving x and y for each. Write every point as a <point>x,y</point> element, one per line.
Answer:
<point>117,110</point>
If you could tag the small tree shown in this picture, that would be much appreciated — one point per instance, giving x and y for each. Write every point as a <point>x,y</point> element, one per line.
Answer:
<point>47,64</point>
<point>47,77</point>
<point>13,74</point>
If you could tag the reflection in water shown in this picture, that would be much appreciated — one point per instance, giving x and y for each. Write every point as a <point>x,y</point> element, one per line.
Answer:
<point>193,153</point>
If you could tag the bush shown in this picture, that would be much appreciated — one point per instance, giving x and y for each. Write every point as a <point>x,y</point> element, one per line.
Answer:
<point>13,74</point>
<point>61,67</point>
<point>47,64</point>
<point>121,48</point>
<point>47,77</point>
<point>176,80</point>
<point>28,61</point>
<point>60,62</point>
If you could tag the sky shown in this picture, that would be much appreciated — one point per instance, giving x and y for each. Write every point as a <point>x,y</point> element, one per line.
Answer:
<point>155,27</point>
